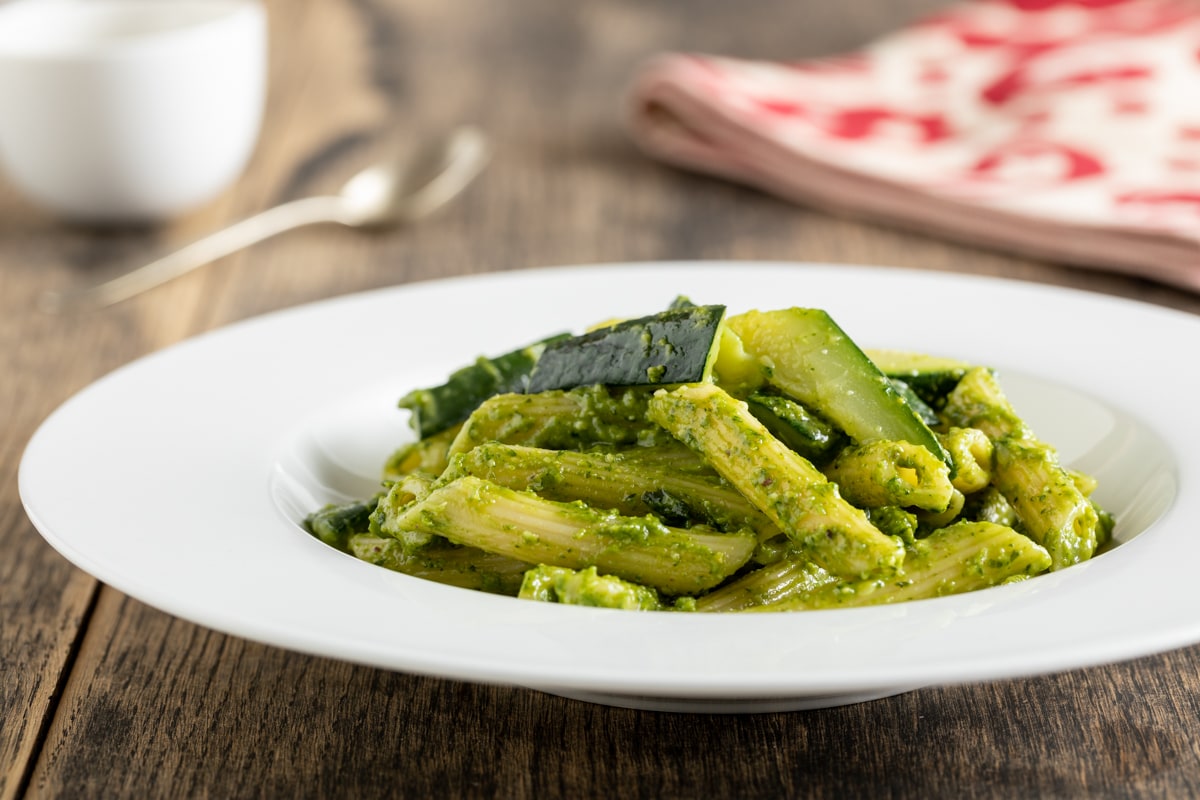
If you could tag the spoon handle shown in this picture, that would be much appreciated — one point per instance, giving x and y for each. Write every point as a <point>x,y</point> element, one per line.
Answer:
<point>242,234</point>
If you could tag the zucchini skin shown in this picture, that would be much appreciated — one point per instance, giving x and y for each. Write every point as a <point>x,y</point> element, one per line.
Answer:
<point>440,407</point>
<point>930,378</point>
<point>797,427</point>
<point>915,402</point>
<point>335,524</point>
<point>672,347</point>
<point>807,356</point>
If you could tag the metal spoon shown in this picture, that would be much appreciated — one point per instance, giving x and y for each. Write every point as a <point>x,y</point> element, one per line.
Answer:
<point>383,194</point>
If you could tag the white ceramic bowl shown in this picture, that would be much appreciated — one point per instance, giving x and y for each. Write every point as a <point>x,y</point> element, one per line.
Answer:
<point>252,443</point>
<point>129,110</point>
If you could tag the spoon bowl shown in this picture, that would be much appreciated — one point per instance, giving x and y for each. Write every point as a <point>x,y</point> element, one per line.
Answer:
<point>421,183</point>
<point>393,192</point>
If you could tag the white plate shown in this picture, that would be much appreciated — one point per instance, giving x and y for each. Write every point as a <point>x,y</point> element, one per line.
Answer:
<point>180,480</point>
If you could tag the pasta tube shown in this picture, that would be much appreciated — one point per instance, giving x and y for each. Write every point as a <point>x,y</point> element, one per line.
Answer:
<point>1048,504</point>
<point>962,557</point>
<point>770,585</point>
<point>561,420</point>
<point>587,587</point>
<point>465,567</point>
<point>787,489</point>
<point>888,473</point>
<point>1047,500</point>
<point>670,455</point>
<point>427,455</point>
<point>608,480</point>
<point>979,402</point>
<point>972,456</point>
<point>522,526</point>
<point>940,519</point>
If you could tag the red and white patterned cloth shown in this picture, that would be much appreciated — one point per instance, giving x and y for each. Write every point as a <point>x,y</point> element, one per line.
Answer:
<point>1063,129</point>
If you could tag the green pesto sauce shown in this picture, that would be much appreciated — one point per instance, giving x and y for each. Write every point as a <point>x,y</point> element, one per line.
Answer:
<point>587,587</point>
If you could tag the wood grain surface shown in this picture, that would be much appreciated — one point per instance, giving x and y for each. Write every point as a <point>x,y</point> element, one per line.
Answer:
<point>102,696</point>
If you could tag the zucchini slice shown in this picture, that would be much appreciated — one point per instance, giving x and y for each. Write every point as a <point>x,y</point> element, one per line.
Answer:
<point>335,524</point>
<point>915,402</point>
<point>675,346</point>
<point>797,427</point>
<point>805,355</point>
<point>931,378</point>
<point>440,407</point>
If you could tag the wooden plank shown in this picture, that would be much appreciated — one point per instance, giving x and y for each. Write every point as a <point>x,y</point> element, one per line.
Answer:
<point>43,604</point>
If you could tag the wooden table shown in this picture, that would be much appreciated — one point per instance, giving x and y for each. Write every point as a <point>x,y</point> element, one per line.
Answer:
<point>103,696</point>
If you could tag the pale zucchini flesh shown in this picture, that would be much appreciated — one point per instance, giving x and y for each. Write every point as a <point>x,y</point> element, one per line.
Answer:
<point>804,354</point>
<point>930,377</point>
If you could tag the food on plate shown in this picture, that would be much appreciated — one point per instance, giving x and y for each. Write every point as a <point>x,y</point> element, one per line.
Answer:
<point>693,460</point>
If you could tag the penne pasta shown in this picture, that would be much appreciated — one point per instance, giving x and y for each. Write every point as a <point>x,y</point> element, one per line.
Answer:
<point>758,462</point>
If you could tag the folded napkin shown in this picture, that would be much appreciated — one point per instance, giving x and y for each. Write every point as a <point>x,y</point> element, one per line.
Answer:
<point>1063,129</point>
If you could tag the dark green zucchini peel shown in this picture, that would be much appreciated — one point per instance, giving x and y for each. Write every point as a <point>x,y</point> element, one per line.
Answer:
<point>440,407</point>
<point>675,346</point>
